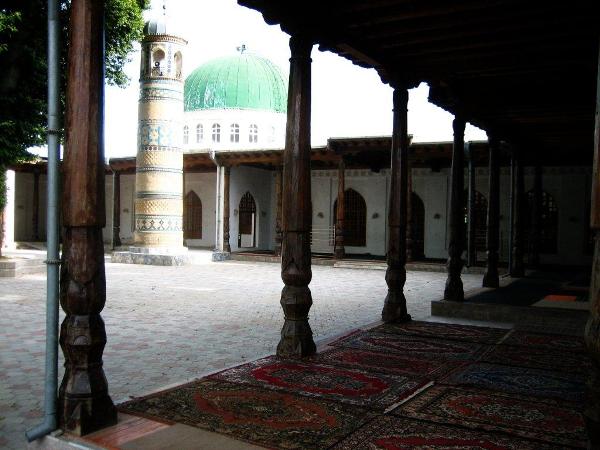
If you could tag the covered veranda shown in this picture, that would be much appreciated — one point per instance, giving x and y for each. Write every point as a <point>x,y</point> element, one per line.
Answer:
<point>527,74</point>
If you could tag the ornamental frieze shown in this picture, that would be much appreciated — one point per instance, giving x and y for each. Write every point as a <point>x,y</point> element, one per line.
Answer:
<point>160,223</point>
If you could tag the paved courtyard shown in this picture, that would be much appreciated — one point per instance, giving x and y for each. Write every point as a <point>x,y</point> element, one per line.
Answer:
<point>170,324</point>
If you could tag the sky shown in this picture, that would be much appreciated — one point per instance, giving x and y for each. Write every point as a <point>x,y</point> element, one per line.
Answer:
<point>347,100</point>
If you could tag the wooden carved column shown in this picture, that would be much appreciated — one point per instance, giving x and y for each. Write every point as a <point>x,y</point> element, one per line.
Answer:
<point>226,231</point>
<point>454,286</point>
<point>278,231</point>
<point>592,330</point>
<point>116,237</point>
<point>409,216</point>
<point>471,250</point>
<point>340,251</point>
<point>490,278</point>
<point>84,403</point>
<point>517,269</point>
<point>394,308</point>
<point>36,205</point>
<point>535,232</point>
<point>296,300</point>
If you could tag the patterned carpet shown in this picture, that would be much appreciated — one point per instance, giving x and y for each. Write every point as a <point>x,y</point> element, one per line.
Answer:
<point>547,420</point>
<point>482,335</point>
<point>539,358</point>
<point>520,380</point>
<point>405,386</point>
<point>263,417</point>
<point>356,387</point>
<point>396,433</point>
<point>395,364</point>
<point>414,346</point>
<point>546,341</point>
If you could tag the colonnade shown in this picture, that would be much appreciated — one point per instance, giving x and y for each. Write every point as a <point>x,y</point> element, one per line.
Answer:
<point>84,403</point>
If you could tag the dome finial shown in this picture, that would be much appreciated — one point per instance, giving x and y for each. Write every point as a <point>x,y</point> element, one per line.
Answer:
<point>241,49</point>
<point>164,7</point>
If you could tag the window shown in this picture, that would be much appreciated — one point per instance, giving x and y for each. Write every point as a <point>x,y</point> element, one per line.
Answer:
<point>216,132</point>
<point>178,65</point>
<point>480,219</point>
<point>158,56</point>
<point>548,237</point>
<point>355,219</point>
<point>247,221</point>
<point>192,216</point>
<point>199,133</point>
<point>272,135</point>
<point>186,135</point>
<point>235,133</point>
<point>253,137</point>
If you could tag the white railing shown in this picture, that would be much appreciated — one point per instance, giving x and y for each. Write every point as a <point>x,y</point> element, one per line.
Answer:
<point>322,240</point>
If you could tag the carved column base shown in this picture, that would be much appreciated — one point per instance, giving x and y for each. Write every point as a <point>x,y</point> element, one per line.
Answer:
<point>592,406</point>
<point>491,279</point>
<point>84,403</point>
<point>296,334</point>
<point>453,290</point>
<point>394,307</point>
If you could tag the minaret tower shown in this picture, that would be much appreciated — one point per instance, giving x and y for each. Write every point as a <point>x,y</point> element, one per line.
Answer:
<point>159,165</point>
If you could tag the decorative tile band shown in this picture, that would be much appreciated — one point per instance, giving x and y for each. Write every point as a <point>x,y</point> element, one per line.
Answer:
<point>154,194</point>
<point>159,94</point>
<point>158,223</point>
<point>153,206</point>
<point>158,169</point>
<point>159,148</point>
<point>160,133</point>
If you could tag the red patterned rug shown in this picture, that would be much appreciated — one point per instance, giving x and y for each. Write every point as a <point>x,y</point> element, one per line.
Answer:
<point>356,387</point>
<point>539,358</point>
<point>520,380</point>
<point>545,341</point>
<point>392,363</point>
<point>264,417</point>
<point>546,420</point>
<point>413,346</point>
<point>438,330</point>
<point>396,433</point>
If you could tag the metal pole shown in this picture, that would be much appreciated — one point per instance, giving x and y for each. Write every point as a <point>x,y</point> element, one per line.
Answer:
<point>51,380</point>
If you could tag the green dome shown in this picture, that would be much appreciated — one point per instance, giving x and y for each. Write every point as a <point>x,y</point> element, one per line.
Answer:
<point>244,81</point>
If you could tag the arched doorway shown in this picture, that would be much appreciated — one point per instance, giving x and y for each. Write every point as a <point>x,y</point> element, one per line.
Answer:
<point>355,219</point>
<point>247,222</point>
<point>417,226</point>
<point>192,216</point>
<point>480,219</point>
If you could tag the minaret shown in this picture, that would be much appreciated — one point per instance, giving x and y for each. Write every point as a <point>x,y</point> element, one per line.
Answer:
<point>159,163</point>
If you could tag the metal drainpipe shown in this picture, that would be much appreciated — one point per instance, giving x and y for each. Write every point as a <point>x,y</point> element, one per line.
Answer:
<point>52,259</point>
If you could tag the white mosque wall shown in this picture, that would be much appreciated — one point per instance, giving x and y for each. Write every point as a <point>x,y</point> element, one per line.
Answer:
<point>205,186</point>
<point>570,188</point>
<point>23,207</point>
<point>432,188</point>
<point>259,183</point>
<point>270,127</point>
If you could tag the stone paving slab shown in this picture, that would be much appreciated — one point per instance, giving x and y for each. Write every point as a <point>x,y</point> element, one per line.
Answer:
<point>166,325</point>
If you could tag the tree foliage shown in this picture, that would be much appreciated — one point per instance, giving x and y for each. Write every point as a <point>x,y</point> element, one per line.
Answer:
<point>23,85</point>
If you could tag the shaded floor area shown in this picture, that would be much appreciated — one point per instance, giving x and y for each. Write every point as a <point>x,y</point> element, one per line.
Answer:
<point>416,385</point>
<point>168,325</point>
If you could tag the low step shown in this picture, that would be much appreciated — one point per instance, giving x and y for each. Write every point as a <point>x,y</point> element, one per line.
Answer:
<point>17,267</point>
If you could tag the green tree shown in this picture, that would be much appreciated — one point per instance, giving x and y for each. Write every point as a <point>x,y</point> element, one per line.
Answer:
<point>23,87</point>
<point>23,76</point>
